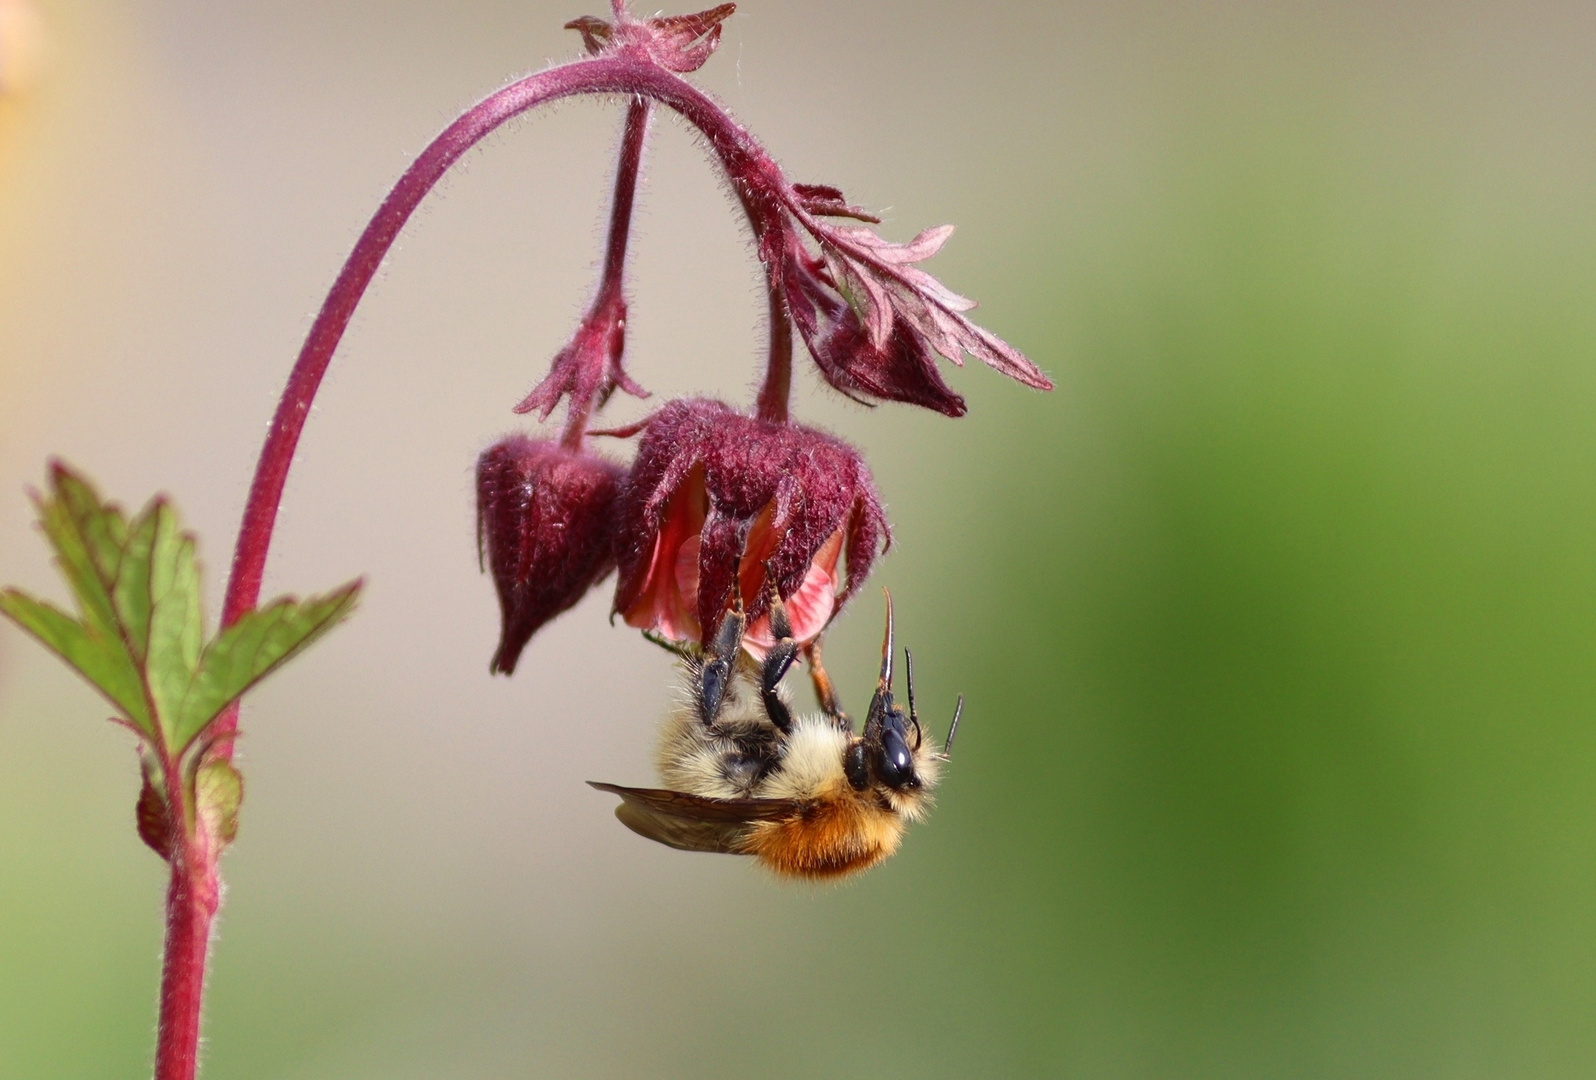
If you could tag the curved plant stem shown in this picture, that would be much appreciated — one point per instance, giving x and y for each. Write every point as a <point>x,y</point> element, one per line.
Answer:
<point>194,892</point>
<point>754,176</point>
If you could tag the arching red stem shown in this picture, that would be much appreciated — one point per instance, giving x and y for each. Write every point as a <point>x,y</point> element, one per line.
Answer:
<point>192,897</point>
<point>754,176</point>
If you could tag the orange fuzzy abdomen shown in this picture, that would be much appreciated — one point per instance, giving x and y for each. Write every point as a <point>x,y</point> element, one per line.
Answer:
<point>828,839</point>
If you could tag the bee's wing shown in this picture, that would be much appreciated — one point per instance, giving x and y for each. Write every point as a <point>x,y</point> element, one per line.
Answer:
<point>692,822</point>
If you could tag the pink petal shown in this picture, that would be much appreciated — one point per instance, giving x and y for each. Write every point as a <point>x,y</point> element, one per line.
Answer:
<point>810,608</point>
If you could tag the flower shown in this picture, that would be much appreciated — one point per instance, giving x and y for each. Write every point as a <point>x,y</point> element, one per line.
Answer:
<point>900,367</point>
<point>875,322</point>
<point>588,368</point>
<point>545,515</point>
<point>717,500</point>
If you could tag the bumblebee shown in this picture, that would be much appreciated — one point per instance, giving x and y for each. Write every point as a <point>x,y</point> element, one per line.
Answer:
<point>805,795</point>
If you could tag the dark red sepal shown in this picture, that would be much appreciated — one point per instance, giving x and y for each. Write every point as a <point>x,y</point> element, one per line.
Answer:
<point>715,499</point>
<point>545,516</point>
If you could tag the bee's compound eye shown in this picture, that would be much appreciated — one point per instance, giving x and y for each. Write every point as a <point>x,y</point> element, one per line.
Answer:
<point>897,764</point>
<point>854,764</point>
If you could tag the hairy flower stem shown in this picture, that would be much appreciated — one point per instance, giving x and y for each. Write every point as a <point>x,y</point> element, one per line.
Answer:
<point>195,889</point>
<point>191,901</point>
<point>754,175</point>
<point>610,292</point>
<point>776,392</point>
<point>192,898</point>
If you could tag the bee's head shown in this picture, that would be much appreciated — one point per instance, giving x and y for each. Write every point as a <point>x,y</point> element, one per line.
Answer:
<point>891,753</point>
<point>894,751</point>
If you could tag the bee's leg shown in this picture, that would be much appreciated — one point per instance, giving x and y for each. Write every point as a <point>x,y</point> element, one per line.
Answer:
<point>777,661</point>
<point>672,647</point>
<point>825,692</point>
<point>717,669</point>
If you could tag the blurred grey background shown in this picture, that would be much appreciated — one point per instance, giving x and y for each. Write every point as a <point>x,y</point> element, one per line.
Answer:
<point>1276,620</point>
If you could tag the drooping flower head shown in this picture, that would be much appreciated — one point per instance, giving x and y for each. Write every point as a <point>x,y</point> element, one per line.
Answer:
<point>875,322</point>
<point>723,509</point>
<point>716,500</point>
<point>544,520</point>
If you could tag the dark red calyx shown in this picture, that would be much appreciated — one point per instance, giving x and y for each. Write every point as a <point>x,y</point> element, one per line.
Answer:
<point>715,499</point>
<point>589,367</point>
<point>679,43</point>
<point>545,519</point>
<point>873,320</point>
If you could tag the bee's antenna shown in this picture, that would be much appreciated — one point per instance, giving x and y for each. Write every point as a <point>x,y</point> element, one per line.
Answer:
<point>908,678</point>
<point>886,648</point>
<point>953,728</point>
<point>881,703</point>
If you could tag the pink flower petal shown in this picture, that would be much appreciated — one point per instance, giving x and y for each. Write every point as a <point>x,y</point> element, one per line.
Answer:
<point>810,608</point>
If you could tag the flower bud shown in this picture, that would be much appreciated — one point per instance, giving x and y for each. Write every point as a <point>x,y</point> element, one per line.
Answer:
<point>716,498</point>
<point>544,520</point>
<point>874,321</point>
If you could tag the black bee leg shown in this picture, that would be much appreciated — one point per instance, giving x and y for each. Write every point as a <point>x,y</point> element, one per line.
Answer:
<point>777,661</point>
<point>714,676</point>
<point>825,691</point>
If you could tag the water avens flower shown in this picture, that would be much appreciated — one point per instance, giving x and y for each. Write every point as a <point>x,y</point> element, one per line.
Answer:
<point>720,507</point>
<point>544,522</point>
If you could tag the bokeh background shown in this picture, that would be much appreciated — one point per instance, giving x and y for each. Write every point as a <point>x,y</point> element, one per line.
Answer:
<point>1277,620</point>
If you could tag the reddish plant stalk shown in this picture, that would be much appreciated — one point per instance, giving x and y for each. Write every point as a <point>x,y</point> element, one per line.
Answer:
<point>192,898</point>
<point>776,391</point>
<point>611,285</point>
<point>194,893</point>
<point>755,177</point>
<point>190,907</point>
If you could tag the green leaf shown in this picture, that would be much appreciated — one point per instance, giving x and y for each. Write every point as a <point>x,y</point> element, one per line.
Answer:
<point>218,793</point>
<point>104,663</point>
<point>140,637</point>
<point>251,649</point>
<point>176,629</point>
<point>88,538</point>
<point>130,593</point>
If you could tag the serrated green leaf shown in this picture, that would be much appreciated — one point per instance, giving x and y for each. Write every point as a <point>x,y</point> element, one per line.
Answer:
<point>130,592</point>
<point>88,537</point>
<point>140,638</point>
<point>218,793</point>
<point>251,649</point>
<point>175,627</point>
<point>104,663</point>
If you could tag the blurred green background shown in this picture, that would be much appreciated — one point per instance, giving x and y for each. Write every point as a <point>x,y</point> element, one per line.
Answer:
<point>1277,620</point>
